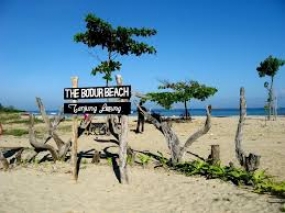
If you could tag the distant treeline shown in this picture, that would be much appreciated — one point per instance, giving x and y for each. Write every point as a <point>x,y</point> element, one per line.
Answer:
<point>9,109</point>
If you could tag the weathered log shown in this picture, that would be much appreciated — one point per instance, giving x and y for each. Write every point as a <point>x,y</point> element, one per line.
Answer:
<point>96,157</point>
<point>214,157</point>
<point>39,146</point>
<point>4,161</point>
<point>251,162</point>
<point>173,142</point>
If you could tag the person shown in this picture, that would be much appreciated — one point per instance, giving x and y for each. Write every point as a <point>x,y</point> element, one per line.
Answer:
<point>1,129</point>
<point>141,109</point>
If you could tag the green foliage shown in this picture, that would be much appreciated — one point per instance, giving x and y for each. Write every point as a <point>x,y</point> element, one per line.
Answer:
<point>259,180</point>
<point>144,159</point>
<point>7,117</point>
<point>162,159</point>
<point>269,66</point>
<point>110,161</point>
<point>164,99</point>
<point>282,209</point>
<point>130,159</point>
<point>181,91</point>
<point>116,40</point>
<point>9,109</point>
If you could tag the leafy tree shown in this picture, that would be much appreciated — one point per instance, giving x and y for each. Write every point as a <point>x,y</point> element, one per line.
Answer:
<point>116,41</point>
<point>182,91</point>
<point>269,67</point>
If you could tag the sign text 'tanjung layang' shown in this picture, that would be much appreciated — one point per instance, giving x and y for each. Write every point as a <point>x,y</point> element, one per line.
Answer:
<point>98,108</point>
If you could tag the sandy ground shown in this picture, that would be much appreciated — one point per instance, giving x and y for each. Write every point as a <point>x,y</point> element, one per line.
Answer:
<point>49,188</point>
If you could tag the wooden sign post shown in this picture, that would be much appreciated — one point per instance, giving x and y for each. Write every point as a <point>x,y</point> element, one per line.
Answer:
<point>116,108</point>
<point>74,81</point>
<point>123,141</point>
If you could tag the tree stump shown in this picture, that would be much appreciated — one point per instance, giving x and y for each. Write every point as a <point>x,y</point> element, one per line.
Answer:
<point>96,157</point>
<point>214,157</point>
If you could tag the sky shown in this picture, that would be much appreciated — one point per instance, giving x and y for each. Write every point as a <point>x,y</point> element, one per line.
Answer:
<point>218,43</point>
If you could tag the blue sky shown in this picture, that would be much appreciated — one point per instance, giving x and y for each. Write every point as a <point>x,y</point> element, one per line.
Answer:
<point>218,43</point>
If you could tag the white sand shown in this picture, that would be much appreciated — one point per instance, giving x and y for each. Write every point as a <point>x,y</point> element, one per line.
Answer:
<point>50,188</point>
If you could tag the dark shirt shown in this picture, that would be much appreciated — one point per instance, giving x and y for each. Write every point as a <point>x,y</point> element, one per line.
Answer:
<point>140,113</point>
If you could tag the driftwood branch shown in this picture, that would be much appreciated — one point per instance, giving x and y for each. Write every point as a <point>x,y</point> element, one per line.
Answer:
<point>39,146</point>
<point>51,128</point>
<point>4,161</point>
<point>252,161</point>
<point>173,143</point>
<point>199,133</point>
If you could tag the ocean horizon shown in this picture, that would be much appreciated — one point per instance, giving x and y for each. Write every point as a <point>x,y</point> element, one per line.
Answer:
<point>220,112</point>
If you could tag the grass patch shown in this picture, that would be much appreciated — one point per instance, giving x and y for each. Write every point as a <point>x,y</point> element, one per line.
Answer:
<point>66,128</point>
<point>5,117</point>
<point>16,132</point>
<point>15,118</point>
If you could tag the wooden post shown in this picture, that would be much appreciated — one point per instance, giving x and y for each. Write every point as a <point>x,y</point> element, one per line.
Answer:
<point>123,142</point>
<point>74,81</point>
<point>214,157</point>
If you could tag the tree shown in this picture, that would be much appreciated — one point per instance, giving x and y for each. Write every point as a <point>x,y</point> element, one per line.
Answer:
<point>269,67</point>
<point>182,91</point>
<point>117,41</point>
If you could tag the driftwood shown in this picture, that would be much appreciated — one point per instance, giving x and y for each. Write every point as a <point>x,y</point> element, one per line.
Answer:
<point>96,157</point>
<point>4,161</point>
<point>173,142</point>
<point>214,157</point>
<point>51,128</point>
<point>37,145</point>
<point>252,161</point>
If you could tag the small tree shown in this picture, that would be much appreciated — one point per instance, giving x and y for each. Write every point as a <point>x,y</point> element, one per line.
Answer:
<point>269,67</point>
<point>117,41</point>
<point>182,91</point>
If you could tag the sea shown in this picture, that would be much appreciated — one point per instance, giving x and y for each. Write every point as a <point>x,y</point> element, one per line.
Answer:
<point>226,112</point>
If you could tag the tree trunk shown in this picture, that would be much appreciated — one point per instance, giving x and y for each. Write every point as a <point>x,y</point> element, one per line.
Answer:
<point>186,111</point>
<point>251,162</point>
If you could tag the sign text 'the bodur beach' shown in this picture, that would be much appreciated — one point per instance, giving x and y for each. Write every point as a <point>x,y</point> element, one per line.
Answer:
<point>97,92</point>
<point>123,92</point>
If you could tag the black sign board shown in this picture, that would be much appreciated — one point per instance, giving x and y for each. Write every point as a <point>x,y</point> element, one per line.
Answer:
<point>98,108</point>
<point>98,92</point>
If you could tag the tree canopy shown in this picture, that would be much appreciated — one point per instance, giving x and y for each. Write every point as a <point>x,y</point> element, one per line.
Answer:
<point>182,91</point>
<point>269,66</point>
<point>116,40</point>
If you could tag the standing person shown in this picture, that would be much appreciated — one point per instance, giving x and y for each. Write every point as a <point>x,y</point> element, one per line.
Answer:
<point>140,110</point>
<point>1,129</point>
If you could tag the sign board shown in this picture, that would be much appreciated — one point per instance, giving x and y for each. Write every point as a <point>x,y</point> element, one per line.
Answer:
<point>117,108</point>
<point>123,92</point>
<point>98,92</point>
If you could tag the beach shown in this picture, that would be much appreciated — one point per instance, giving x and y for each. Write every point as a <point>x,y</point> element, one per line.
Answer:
<point>48,187</point>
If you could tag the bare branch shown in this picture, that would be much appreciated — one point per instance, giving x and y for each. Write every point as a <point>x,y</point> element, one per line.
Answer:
<point>200,132</point>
